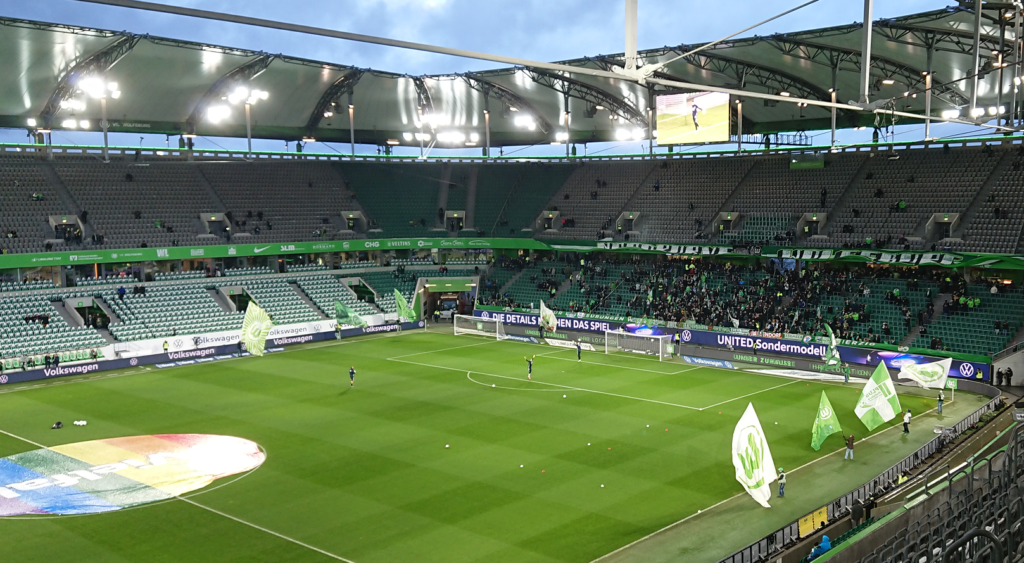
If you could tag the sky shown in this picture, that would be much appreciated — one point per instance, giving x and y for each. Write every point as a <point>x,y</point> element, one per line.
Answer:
<point>543,30</point>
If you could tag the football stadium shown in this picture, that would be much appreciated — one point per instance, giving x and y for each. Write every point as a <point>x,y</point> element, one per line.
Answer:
<point>633,308</point>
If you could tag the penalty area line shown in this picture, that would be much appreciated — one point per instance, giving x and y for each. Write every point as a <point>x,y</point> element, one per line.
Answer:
<point>215,511</point>
<point>552,385</point>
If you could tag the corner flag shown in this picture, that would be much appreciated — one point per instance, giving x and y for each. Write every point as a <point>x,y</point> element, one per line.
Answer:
<point>755,468</point>
<point>878,402</point>
<point>826,423</point>
<point>255,328</point>
<point>548,322</point>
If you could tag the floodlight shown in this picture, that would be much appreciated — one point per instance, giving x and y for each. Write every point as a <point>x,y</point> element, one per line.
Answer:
<point>599,107</point>
<point>308,140</point>
<point>977,112</point>
<point>451,137</point>
<point>422,136</point>
<point>784,93</point>
<point>84,124</point>
<point>93,86</point>
<point>992,110</point>
<point>392,142</point>
<point>638,134</point>
<point>888,81</point>
<point>622,134</point>
<point>31,122</point>
<point>525,121</point>
<point>655,133</point>
<point>407,136</point>
<point>328,113</point>
<point>218,113</point>
<point>561,136</point>
<point>950,114</point>
<point>474,137</point>
<point>240,93</point>
<point>69,124</point>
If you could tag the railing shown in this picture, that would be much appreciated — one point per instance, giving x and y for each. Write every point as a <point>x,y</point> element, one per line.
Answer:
<point>773,542</point>
<point>1008,351</point>
<point>726,150</point>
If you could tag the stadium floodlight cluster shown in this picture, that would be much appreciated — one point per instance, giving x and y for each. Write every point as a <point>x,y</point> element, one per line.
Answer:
<point>650,344</point>
<point>479,326</point>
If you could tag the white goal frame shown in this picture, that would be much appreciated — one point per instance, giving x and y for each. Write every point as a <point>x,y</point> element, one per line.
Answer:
<point>475,326</point>
<point>651,345</point>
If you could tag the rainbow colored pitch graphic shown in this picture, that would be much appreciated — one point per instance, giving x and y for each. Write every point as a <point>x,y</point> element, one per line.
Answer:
<point>116,473</point>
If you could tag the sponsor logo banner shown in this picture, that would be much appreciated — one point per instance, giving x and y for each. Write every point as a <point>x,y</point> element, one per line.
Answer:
<point>116,473</point>
<point>708,362</point>
<point>570,344</point>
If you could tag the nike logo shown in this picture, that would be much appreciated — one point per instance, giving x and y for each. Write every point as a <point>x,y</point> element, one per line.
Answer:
<point>258,250</point>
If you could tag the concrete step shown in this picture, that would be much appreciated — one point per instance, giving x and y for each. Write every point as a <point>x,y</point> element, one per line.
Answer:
<point>107,309</point>
<point>70,316</point>
<point>107,336</point>
<point>309,302</point>
<point>222,300</point>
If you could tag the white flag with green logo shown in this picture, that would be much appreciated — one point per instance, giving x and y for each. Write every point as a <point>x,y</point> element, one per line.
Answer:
<point>547,319</point>
<point>255,328</point>
<point>832,353</point>
<point>755,468</point>
<point>932,376</point>
<point>404,311</point>
<point>878,402</point>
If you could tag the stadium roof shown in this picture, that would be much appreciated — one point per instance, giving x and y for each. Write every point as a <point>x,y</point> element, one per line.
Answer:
<point>169,84</point>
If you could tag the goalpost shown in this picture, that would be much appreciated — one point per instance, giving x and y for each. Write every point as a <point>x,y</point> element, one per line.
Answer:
<point>652,345</point>
<point>466,324</point>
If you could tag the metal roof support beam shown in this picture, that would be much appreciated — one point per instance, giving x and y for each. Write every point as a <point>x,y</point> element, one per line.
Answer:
<point>766,76</point>
<point>238,76</point>
<point>865,51</point>
<point>506,96</point>
<point>976,69</point>
<point>951,41</point>
<point>329,99</point>
<point>424,102</point>
<point>581,90</point>
<point>97,63</point>
<point>839,57</point>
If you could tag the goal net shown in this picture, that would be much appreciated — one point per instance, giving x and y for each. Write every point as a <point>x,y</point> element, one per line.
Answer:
<point>465,324</point>
<point>652,345</point>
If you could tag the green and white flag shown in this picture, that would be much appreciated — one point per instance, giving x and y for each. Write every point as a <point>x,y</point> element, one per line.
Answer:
<point>826,423</point>
<point>255,328</point>
<point>403,307</point>
<point>547,319</point>
<point>755,468</point>
<point>346,316</point>
<point>831,357</point>
<point>878,402</point>
<point>931,376</point>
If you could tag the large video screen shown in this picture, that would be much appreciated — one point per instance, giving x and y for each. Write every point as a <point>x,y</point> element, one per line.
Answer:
<point>695,117</point>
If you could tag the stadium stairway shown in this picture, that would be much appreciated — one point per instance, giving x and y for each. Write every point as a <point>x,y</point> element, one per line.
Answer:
<point>979,199</point>
<point>848,192</point>
<point>563,288</point>
<point>62,190</point>
<point>105,307</point>
<point>728,203</point>
<point>73,320</point>
<point>309,302</point>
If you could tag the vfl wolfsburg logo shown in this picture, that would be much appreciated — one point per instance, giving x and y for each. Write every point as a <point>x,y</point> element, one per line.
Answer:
<point>751,457</point>
<point>825,413</point>
<point>255,328</point>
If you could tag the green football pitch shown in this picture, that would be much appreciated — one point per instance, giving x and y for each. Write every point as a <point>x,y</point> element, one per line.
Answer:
<point>444,451</point>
